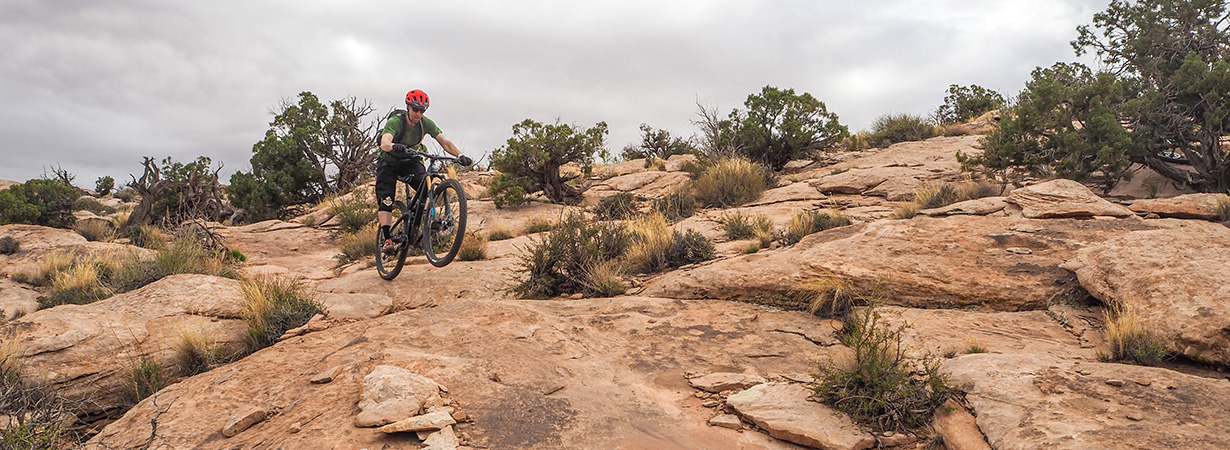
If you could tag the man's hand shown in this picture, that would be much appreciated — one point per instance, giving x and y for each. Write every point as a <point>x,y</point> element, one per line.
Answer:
<point>399,149</point>
<point>464,160</point>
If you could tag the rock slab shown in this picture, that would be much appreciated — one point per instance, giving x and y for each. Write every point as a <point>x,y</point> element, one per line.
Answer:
<point>785,413</point>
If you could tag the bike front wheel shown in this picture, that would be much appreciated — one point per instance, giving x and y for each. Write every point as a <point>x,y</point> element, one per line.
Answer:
<point>444,223</point>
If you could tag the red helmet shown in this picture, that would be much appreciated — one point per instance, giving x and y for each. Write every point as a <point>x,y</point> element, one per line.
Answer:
<point>417,99</point>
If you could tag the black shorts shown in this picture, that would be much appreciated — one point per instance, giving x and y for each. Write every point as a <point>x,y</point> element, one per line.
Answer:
<point>387,172</point>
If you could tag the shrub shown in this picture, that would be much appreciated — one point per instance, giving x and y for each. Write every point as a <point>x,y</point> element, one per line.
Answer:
<point>104,185</point>
<point>651,236</point>
<point>936,195</point>
<point>186,255</point>
<point>532,158</point>
<point>145,236</point>
<point>39,202</point>
<point>10,361</point>
<point>676,205</point>
<point>538,224</point>
<point>473,247</point>
<point>657,145</point>
<point>92,205</point>
<point>78,285</point>
<point>128,194</point>
<point>803,223</point>
<point>509,191</point>
<point>499,234</point>
<point>616,207</point>
<point>777,126</point>
<point>876,386</point>
<point>46,269</point>
<point>737,225</point>
<point>826,296</point>
<point>893,128</point>
<point>31,416</point>
<point>359,244</point>
<point>196,352</point>
<point>731,182</point>
<point>273,305</point>
<point>688,247</point>
<point>9,245</point>
<point>604,279</point>
<point>1223,213</point>
<point>355,212</point>
<point>967,102</point>
<point>145,378</point>
<point>1129,341</point>
<point>558,263</point>
<point>95,230</point>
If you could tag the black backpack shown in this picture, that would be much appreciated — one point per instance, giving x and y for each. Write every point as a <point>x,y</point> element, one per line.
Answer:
<point>400,114</point>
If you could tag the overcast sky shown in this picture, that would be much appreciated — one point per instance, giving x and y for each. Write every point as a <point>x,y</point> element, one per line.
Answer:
<point>92,86</point>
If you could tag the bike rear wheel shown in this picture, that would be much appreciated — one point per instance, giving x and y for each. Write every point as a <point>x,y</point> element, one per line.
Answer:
<point>444,223</point>
<point>389,264</point>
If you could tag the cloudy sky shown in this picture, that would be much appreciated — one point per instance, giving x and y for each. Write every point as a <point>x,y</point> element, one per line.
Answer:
<point>93,86</point>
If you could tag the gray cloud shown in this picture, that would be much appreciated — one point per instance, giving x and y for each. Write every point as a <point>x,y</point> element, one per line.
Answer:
<point>94,86</point>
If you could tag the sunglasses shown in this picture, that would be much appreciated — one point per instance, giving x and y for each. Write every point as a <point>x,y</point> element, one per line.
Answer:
<point>418,109</point>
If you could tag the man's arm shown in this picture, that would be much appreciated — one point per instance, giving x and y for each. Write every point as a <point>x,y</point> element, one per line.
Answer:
<point>448,145</point>
<point>386,142</point>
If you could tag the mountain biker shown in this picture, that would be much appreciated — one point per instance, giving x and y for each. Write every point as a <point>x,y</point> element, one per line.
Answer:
<point>402,158</point>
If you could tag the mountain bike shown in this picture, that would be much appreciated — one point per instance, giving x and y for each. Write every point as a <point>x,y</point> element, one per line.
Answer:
<point>436,222</point>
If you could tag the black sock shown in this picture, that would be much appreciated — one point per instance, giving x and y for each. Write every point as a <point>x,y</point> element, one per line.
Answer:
<point>384,231</point>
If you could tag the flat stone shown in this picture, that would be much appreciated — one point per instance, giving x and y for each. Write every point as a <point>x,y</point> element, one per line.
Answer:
<point>430,421</point>
<point>444,439</point>
<point>958,428</point>
<point>718,382</point>
<point>1063,198</point>
<point>730,421</point>
<point>785,413</point>
<point>327,376</point>
<point>237,423</point>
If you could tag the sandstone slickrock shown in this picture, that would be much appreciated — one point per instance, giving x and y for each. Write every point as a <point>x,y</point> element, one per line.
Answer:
<point>958,428</point>
<point>1187,206</point>
<point>976,207</point>
<point>952,262</point>
<point>243,420</point>
<point>1035,401</point>
<point>1175,280</point>
<point>730,421</point>
<point>62,346</point>
<point>785,413</point>
<point>426,422</point>
<point>1062,198</point>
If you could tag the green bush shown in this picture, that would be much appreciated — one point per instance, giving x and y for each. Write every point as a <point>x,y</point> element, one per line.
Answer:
<point>39,202</point>
<point>104,185</point>
<point>893,128</point>
<point>877,387</point>
<point>657,144</point>
<point>509,191</point>
<point>964,103</point>
<point>9,245</point>
<point>731,182</point>
<point>688,247</point>
<point>273,305</point>
<point>355,212</point>
<point>778,126</point>
<point>616,207</point>
<point>676,205</point>
<point>560,261</point>
<point>804,223</point>
<point>536,152</point>
<point>126,194</point>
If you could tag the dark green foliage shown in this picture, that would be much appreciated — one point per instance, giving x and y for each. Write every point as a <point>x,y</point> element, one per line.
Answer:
<point>657,144</point>
<point>964,103</point>
<point>47,202</point>
<point>561,261</point>
<point>780,125</point>
<point>688,247</point>
<point>536,152</point>
<point>9,245</point>
<point>510,191</point>
<point>94,206</point>
<point>890,129</point>
<point>616,207</point>
<point>104,185</point>
<point>676,205</point>
<point>1065,124</point>
<point>310,150</point>
<point>877,387</point>
<point>176,192</point>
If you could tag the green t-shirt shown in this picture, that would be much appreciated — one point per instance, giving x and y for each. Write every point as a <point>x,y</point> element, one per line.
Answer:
<point>413,138</point>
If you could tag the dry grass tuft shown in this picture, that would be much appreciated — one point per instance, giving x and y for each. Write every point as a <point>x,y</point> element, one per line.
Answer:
<point>273,305</point>
<point>731,182</point>
<point>1128,339</point>
<point>95,230</point>
<point>499,233</point>
<point>1223,210</point>
<point>197,352</point>
<point>10,361</point>
<point>538,224</point>
<point>473,247</point>
<point>359,244</point>
<point>605,279</point>
<point>651,235</point>
<point>826,296</point>
<point>803,223</point>
<point>46,269</point>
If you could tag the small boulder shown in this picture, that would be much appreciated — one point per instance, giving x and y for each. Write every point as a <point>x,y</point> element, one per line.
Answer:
<point>1062,198</point>
<point>1189,206</point>
<point>243,420</point>
<point>718,382</point>
<point>785,413</point>
<point>391,394</point>
<point>426,422</point>
<point>730,421</point>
